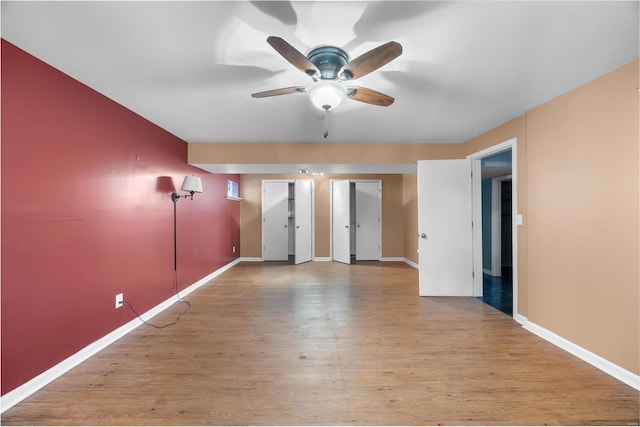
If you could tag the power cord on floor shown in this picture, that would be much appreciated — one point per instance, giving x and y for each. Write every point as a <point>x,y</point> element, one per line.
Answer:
<point>180,300</point>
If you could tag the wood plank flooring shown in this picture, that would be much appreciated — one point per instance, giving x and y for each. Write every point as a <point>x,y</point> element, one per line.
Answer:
<point>330,344</point>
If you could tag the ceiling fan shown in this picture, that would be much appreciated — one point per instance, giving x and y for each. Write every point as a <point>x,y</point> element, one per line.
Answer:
<point>331,70</point>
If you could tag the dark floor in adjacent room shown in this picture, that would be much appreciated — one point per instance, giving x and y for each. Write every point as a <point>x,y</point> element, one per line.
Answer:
<point>497,291</point>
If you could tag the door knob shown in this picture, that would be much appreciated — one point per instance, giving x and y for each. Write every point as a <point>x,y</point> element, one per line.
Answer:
<point>424,236</point>
<point>285,226</point>
<point>297,226</point>
<point>346,226</point>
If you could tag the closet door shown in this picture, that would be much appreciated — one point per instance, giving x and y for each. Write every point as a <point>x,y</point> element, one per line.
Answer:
<point>340,209</point>
<point>303,202</point>
<point>368,216</point>
<point>275,217</point>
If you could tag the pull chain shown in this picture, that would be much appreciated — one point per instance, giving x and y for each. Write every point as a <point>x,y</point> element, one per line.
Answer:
<point>326,123</point>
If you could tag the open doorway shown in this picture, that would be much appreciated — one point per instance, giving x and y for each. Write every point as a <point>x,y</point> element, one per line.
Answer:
<point>494,247</point>
<point>497,250</point>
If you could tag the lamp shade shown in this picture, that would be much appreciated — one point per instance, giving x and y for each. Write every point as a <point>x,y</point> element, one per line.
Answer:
<point>192,183</point>
<point>327,95</point>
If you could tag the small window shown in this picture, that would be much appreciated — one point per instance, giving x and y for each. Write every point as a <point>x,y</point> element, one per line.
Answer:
<point>232,190</point>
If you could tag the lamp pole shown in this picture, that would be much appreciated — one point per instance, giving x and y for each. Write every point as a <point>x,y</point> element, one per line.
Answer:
<point>175,235</point>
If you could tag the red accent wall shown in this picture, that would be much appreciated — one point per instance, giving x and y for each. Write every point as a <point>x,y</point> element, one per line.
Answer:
<point>87,214</point>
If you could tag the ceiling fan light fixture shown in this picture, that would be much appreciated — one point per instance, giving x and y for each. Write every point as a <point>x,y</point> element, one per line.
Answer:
<point>326,95</point>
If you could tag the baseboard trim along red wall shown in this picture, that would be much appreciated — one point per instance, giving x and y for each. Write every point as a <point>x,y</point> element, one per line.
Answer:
<point>25,390</point>
<point>87,214</point>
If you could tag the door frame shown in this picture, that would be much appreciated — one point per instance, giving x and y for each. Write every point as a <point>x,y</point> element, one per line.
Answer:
<point>331,181</point>
<point>476,191</point>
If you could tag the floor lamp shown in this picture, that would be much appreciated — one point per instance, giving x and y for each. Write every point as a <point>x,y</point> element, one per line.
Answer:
<point>191,185</point>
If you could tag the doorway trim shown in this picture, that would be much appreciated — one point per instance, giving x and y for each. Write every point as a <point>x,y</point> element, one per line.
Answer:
<point>476,200</point>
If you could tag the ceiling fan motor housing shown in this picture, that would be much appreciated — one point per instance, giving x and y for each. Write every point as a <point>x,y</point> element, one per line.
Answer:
<point>329,60</point>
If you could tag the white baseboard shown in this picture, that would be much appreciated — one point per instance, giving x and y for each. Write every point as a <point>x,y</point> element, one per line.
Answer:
<point>392,259</point>
<point>593,359</point>
<point>411,263</point>
<point>27,389</point>
<point>322,258</point>
<point>250,259</point>
<point>520,318</point>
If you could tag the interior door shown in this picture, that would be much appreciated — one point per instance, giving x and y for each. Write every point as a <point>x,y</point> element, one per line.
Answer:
<point>275,218</point>
<point>340,206</point>
<point>444,228</point>
<point>303,193</point>
<point>368,218</point>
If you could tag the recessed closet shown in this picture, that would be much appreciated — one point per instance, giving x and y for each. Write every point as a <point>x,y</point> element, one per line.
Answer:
<point>356,220</point>
<point>287,220</point>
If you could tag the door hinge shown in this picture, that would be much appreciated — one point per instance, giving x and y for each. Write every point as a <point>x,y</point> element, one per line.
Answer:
<point>473,274</point>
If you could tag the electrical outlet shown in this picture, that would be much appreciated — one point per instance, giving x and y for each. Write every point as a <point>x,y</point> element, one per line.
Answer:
<point>119,300</point>
<point>234,249</point>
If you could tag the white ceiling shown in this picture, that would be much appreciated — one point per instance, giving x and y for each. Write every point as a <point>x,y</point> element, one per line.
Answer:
<point>190,67</point>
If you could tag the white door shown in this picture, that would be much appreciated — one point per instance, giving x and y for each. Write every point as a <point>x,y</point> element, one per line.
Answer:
<point>444,228</point>
<point>303,221</point>
<point>275,218</point>
<point>368,216</point>
<point>340,206</point>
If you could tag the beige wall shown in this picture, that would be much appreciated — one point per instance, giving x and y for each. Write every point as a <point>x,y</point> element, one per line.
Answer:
<point>578,186</point>
<point>313,153</point>
<point>251,212</point>
<point>582,209</point>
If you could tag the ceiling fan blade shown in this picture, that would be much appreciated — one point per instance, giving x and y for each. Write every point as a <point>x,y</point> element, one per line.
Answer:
<point>369,96</point>
<point>371,61</point>
<point>292,55</point>
<point>277,92</point>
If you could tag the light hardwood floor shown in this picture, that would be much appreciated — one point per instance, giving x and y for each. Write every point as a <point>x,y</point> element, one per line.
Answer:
<point>326,343</point>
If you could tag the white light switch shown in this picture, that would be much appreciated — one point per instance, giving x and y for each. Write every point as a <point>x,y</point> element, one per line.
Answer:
<point>518,219</point>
